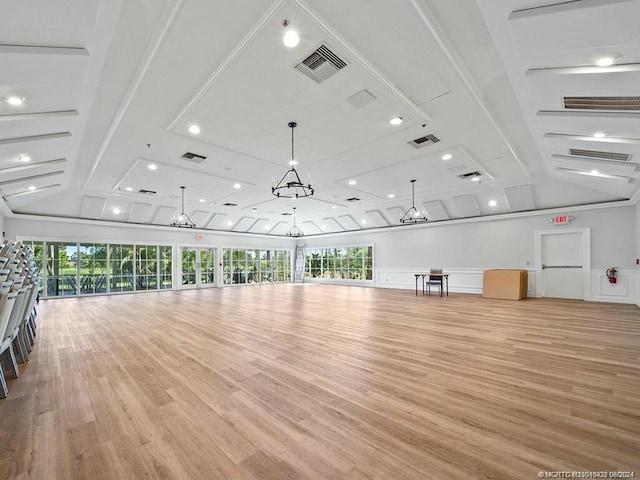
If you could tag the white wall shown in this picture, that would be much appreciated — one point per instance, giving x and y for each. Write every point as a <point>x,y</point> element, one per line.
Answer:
<point>466,248</point>
<point>54,229</point>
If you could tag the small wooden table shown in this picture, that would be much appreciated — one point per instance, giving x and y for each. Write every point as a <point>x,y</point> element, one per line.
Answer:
<point>443,275</point>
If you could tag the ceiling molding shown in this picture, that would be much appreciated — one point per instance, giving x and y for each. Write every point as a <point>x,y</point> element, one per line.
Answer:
<point>559,7</point>
<point>31,166</point>
<point>167,19</point>
<point>32,177</point>
<point>42,50</point>
<point>362,60</point>
<point>588,70</point>
<point>596,115</point>
<point>38,115</point>
<point>445,44</point>
<point>35,138</point>
<point>588,138</point>
<point>30,192</point>
<point>268,15</point>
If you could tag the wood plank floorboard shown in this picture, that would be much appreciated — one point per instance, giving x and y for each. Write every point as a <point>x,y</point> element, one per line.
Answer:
<point>323,382</point>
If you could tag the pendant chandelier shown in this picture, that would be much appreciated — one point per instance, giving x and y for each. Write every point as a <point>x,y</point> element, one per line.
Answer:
<point>183,220</point>
<point>290,186</point>
<point>412,215</point>
<point>294,231</point>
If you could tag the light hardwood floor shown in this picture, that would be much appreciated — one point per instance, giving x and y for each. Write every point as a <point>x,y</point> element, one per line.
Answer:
<point>324,382</point>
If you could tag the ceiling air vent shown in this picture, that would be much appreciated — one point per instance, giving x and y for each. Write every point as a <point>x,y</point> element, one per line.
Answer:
<point>286,213</point>
<point>321,64</point>
<point>193,157</point>
<point>617,157</point>
<point>464,176</point>
<point>360,99</point>
<point>353,199</point>
<point>424,141</point>
<point>147,192</point>
<point>230,204</point>
<point>602,103</point>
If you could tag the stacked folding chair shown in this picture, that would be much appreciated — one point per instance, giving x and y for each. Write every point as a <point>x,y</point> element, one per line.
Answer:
<point>19,283</point>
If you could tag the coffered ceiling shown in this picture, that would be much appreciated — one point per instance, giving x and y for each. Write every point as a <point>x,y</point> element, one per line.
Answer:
<point>111,88</point>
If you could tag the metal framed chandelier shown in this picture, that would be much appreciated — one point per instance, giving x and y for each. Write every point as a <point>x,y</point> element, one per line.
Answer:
<point>412,215</point>
<point>294,231</point>
<point>183,220</point>
<point>290,185</point>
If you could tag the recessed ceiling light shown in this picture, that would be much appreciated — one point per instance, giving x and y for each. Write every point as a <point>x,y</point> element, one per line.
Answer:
<point>24,158</point>
<point>492,203</point>
<point>363,221</point>
<point>129,189</point>
<point>599,134</point>
<point>31,188</point>
<point>352,182</point>
<point>594,172</point>
<point>335,207</point>
<point>151,166</point>
<point>447,156</point>
<point>116,210</point>
<point>323,227</point>
<point>607,60</point>
<point>396,121</point>
<point>267,227</point>
<point>237,186</point>
<point>229,223</point>
<point>202,200</point>
<point>195,129</point>
<point>391,195</point>
<point>14,100</point>
<point>293,162</point>
<point>475,179</point>
<point>290,38</point>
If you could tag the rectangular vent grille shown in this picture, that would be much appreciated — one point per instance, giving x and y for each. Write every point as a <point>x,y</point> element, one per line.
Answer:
<point>464,176</point>
<point>147,192</point>
<point>230,204</point>
<point>286,213</point>
<point>602,103</point>
<point>360,99</point>
<point>321,64</point>
<point>193,157</point>
<point>424,141</point>
<point>353,199</point>
<point>617,157</point>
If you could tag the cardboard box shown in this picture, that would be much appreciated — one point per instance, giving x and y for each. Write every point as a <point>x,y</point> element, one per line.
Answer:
<point>505,284</point>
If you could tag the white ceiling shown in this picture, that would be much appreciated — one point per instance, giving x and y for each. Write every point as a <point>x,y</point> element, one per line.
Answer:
<point>111,87</point>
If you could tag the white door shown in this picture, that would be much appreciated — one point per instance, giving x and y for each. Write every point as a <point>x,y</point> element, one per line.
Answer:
<point>198,267</point>
<point>562,257</point>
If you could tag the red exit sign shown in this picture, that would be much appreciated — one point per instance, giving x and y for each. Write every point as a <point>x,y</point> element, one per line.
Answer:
<point>561,219</point>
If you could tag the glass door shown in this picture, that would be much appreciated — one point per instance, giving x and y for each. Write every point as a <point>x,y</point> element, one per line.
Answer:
<point>198,267</point>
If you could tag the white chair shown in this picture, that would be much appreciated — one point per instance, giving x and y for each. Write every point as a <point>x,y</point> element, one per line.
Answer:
<point>7,301</point>
<point>12,333</point>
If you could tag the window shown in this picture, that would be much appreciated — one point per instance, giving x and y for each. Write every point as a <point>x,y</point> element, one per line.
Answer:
<point>89,268</point>
<point>93,268</point>
<point>121,267</point>
<point>340,263</point>
<point>255,266</point>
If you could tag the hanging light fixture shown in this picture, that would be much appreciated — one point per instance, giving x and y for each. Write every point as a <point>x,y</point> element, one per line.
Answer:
<point>294,231</point>
<point>183,220</point>
<point>412,215</point>
<point>290,186</point>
